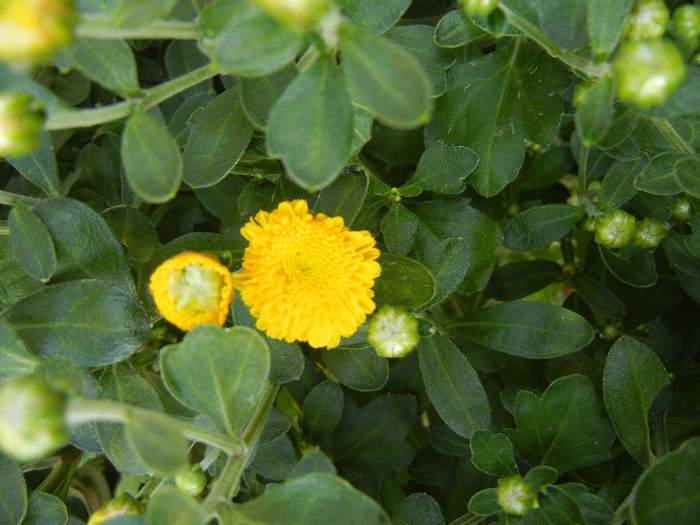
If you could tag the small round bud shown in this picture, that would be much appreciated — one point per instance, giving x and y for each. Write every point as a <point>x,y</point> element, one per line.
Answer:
<point>615,229</point>
<point>648,71</point>
<point>298,15</point>
<point>515,495</point>
<point>610,332</point>
<point>681,210</point>
<point>589,224</point>
<point>479,7</point>
<point>21,123</point>
<point>393,331</point>
<point>33,31</point>
<point>648,234</point>
<point>648,19</point>
<point>686,25</point>
<point>124,505</point>
<point>31,418</point>
<point>191,480</point>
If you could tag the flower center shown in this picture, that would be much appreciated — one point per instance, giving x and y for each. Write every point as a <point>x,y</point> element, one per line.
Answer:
<point>309,262</point>
<point>195,287</point>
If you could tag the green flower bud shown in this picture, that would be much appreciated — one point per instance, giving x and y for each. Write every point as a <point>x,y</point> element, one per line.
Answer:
<point>21,123</point>
<point>615,229</point>
<point>31,418</point>
<point>393,331</point>
<point>648,234</point>
<point>479,7</point>
<point>686,25</point>
<point>33,31</point>
<point>190,479</point>
<point>515,495</point>
<point>581,91</point>
<point>298,15</point>
<point>124,505</point>
<point>589,224</point>
<point>648,71</point>
<point>681,210</point>
<point>648,19</point>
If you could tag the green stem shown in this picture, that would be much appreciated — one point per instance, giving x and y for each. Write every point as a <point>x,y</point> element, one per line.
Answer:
<point>468,519</point>
<point>13,198</point>
<point>84,118</point>
<point>660,435</point>
<point>91,410</point>
<point>671,135</point>
<point>106,29</point>
<point>576,62</point>
<point>228,481</point>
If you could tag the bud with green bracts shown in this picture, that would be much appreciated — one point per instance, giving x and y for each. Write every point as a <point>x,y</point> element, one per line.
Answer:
<point>686,26</point>
<point>515,495</point>
<point>648,19</point>
<point>615,229</point>
<point>21,123</point>
<point>297,15</point>
<point>681,210</point>
<point>479,7</point>
<point>648,234</point>
<point>124,505</point>
<point>648,71</point>
<point>190,479</point>
<point>393,331</point>
<point>31,418</point>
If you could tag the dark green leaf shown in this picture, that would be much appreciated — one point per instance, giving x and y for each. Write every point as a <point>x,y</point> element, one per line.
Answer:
<point>594,114</point>
<point>31,242</point>
<point>375,16</point>
<point>13,492</point>
<point>418,508</point>
<point>443,168</point>
<point>485,503</point>
<point>244,40</point>
<point>453,386</point>
<point>275,459</point>
<point>99,170</point>
<point>455,30</point>
<point>679,255</point>
<point>344,197</point>
<point>314,461</point>
<point>546,169</point>
<point>399,227</point>
<point>88,322</point>
<point>374,67</point>
<point>639,270</point>
<point>39,167</point>
<point>605,22</point>
<point>15,283</point>
<point>494,103</point>
<point>660,177</point>
<point>157,443</point>
<point>559,508</point>
<point>45,509</point>
<point>218,139</point>
<point>151,157</point>
<point>541,477</point>
<point>687,172</point>
<point>358,368</point>
<point>170,506</point>
<point>403,282</point>
<point>15,359</point>
<point>219,372</point>
<point>521,278</point>
<point>310,126</point>
<point>633,376</point>
<point>134,230</point>
<point>540,226</point>
<point>564,21</point>
<point>598,296</point>
<point>493,453</point>
<point>258,95</point>
<point>527,329</point>
<point>322,409</point>
<point>669,491</point>
<point>563,427</point>
<point>447,442</point>
<point>110,63</point>
<point>618,185</point>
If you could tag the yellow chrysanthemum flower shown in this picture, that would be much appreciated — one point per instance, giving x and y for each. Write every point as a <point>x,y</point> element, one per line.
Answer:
<point>307,277</point>
<point>192,289</point>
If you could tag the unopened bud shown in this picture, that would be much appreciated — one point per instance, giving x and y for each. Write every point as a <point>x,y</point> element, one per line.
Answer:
<point>648,234</point>
<point>190,479</point>
<point>124,505</point>
<point>648,19</point>
<point>686,26</point>
<point>479,7</point>
<point>681,210</point>
<point>615,229</point>
<point>21,123</point>
<point>393,331</point>
<point>298,15</point>
<point>515,495</point>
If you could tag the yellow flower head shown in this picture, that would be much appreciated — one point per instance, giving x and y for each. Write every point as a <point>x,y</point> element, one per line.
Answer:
<point>192,289</point>
<point>307,277</point>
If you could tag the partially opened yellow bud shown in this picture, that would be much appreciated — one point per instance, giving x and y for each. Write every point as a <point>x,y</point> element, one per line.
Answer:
<point>192,289</point>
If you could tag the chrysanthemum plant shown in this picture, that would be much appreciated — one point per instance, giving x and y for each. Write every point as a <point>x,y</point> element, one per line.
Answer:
<point>349,262</point>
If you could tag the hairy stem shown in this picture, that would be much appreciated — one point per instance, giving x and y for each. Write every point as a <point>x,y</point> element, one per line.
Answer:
<point>11,199</point>
<point>106,29</point>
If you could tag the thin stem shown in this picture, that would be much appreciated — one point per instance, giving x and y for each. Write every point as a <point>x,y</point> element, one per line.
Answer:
<point>13,198</point>
<point>91,410</point>
<point>228,481</point>
<point>660,435</point>
<point>576,62</point>
<point>84,118</point>
<point>106,29</point>
<point>468,519</point>
<point>671,135</point>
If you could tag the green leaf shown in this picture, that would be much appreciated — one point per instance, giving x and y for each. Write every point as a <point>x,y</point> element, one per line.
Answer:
<point>546,169</point>
<point>638,271</point>
<point>669,491</point>
<point>258,95</point>
<point>660,177</point>
<point>453,386</point>
<point>605,22</point>
<point>151,158</point>
<point>598,296</point>
<point>540,226</point>
<point>485,503</point>
<point>618,185</point>
<point>45,509</point>
<point>15,283</point>
<point>443,168</point>
<point>31,242</point>
<point>218,139</point>
<point>157,443</point>
<point>687,172</point>
<point>559,508</point>
<point>85,247</point>
<point>358,368</point>
<point>110,63</point>
<point>244,40</point>
<point>456,30</point>
<point>170,506</point>
<point>137,13</point>
<point>418,508</point>
<point>375,16</point>
<point>310,126</point>
<point>313,499</point>
<point>594,114</point>
<point>15,359</point>
<point>100,171</point>
<point>275,459</point>
<point>133,229</point>
<point>564,21</point>
<point>527,329</point>
<point>494,104</point>
<point>399,227</point>
<point>541,477</point>
<point>13,492</point>
<point>314,461</point>
<point>219,372</point>
<point>374,68</point>
<point>321,412</point>
<point>403,282</point>
<point>563,427</point>
<point>633,377</point>
<point>493,453</point>
<point>521,278</point>
<point>344,197</point>
<point>88,322</point>
<point>39,167</point>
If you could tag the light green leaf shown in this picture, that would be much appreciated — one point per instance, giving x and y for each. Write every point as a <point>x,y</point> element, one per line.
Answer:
<point>157,443</point>
<point>110,63</point>
<point>540,226</point>
<point>594,114</point>
<point>170,506</point>
<point>259,94</point>
<point>45,509</point>
<point>15,359</point>
<point>31,242</point>
<point>13,492</point>
<point>456,30</point>
<point>39,167</point>
<point>136,12</point>
<point>605,22</point>
<point>372,15</point>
